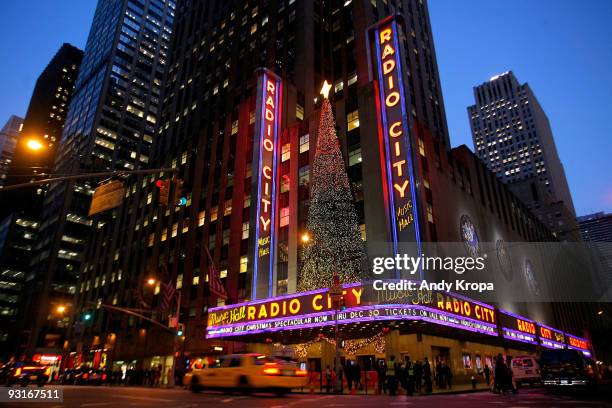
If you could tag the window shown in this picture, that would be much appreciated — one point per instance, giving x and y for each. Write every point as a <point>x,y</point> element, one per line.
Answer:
<point>352,79</point>
<point>338,86</point>
<point>179,281</point>
<point>304,175</point>
<point>362,230</point>
<point>352,120</point>
<point>201,218</point>
<point>285,152</point>
<point>284,216</point>
<point>234,127</point>
<point>299,112</point>
<point>421,147</point>
<point>223,274</point>
<point>304,143</point>
<point>430,217</point>
<point>213,213</point>
<point>227,207</point>
<point>244,263</point>
<point>354,157</point>
<point>245,230</point>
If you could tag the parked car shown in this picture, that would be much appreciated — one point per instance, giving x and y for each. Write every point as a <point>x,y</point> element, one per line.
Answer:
<point>24,373</point>
<point>568,368</point>
<point>248,373</point>
<point>525,369</point>
<point>84,376</point>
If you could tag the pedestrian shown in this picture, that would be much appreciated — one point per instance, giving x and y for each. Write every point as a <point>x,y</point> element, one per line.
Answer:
<point>391,376</point>
<point>439,375</point>
<point>418,375</point>
<point>500,374</point>
<point>427,375</point>
<point>357,374</point>
<point>350,376</point>
<point>328,379</point>
<point>487,373</point>
<point>382,376</point>
<point>410,377</point>
<point>447,375</point>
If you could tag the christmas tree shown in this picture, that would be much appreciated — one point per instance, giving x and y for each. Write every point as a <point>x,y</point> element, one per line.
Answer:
<point>334,240</point>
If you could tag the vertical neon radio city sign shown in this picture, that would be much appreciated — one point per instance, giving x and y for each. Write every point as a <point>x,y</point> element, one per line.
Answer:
<point>265,182</point>
<point>395,136</point>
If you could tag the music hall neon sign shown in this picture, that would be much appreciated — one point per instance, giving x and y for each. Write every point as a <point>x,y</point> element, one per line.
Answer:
<point>265,153</point>
<point>395,137</point>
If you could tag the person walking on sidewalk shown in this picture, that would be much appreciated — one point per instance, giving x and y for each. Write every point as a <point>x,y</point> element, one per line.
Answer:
<point>418,375</point>
<point>427,375</point>
<point>382,377</point>
<point>391,376</point>
<point>447,375</point>
<point>487,374</point>
<point>328,379</point>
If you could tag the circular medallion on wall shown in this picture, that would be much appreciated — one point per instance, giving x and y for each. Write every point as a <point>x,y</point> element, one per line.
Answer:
<point>504,259</point>
<point>468,234</point>
<point>530,279</point>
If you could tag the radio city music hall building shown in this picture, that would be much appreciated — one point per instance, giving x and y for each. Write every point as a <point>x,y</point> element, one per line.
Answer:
<point>243,138</point>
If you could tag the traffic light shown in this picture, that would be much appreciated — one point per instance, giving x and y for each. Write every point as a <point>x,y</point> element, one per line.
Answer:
<point>87,316</point>
<point>180,329</point>
<point>164,191</point>
<point>178,198</point>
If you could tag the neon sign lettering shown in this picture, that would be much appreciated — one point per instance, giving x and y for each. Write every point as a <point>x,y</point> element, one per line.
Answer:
<point>395,138</point>
<point>266,158</point>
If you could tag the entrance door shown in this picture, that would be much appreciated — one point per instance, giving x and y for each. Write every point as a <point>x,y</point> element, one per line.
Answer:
<point>440,354</point>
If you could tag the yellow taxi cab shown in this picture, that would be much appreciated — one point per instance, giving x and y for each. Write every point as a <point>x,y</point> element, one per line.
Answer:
<point>248,373</point>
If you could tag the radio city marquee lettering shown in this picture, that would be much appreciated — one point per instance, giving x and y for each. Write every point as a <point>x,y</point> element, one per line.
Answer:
<point>551,338</point>
<point>265,158</point>
<point>395,136</point>
<point>284,306</point>
<point>576,343</point>
<point>444,301</point>
<point>314,308</point>
<point>517,328</point>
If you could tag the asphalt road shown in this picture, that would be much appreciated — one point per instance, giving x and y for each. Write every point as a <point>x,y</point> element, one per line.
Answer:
<point>83,396</point>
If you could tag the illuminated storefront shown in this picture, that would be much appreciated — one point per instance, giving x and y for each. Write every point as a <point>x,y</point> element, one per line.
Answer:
<point>275,317</point>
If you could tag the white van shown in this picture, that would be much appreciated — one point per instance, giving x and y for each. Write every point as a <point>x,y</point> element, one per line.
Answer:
<point>525,369</point>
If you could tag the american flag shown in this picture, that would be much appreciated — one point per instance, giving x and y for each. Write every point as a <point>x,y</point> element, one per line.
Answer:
<point>168,292</point>
<point>216,287</point>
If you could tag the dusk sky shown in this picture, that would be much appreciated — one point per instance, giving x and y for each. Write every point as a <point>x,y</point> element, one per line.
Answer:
<point>562,48</point>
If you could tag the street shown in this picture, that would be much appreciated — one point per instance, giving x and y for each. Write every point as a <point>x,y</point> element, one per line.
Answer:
<point>85,396</point>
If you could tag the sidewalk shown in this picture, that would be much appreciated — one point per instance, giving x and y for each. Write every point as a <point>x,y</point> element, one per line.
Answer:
<point>458,389</point>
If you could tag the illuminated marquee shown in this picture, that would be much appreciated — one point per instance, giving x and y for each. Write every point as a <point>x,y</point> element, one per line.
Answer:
<point>551,338</point>
<point>314,309</point>
<point>395,136</point>
<point>265,158</point>
<point>577,343</point>
<point>518,328</point>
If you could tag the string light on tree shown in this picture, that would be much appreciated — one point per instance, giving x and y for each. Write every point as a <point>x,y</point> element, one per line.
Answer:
<point>334,240</point>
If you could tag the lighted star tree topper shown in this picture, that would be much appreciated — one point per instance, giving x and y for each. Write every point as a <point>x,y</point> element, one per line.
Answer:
<point>333,240</point>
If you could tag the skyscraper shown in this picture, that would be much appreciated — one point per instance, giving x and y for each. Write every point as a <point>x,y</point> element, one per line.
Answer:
<point>8,143</point>
<point>512,135</point>
<point>43,123</point>
<point>597,229</point>
<point>110,124</point>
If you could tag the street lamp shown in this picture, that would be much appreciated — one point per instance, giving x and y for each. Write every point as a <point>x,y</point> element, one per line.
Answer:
<point>34,145</point>
<point>305,237</point>
<point>151,281</point>
<point>61,309</point>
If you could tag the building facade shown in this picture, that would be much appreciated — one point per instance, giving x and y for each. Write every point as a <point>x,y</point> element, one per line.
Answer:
<point>210,132</point>
<point>110,125</point>
<point>9,136</point>
<point>512,135</point>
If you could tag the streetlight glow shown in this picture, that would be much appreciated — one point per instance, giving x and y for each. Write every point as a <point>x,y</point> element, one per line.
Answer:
<point>61,309</point>
<point>34,145</point>
<point>151,281</point>
<point>305,237</point>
